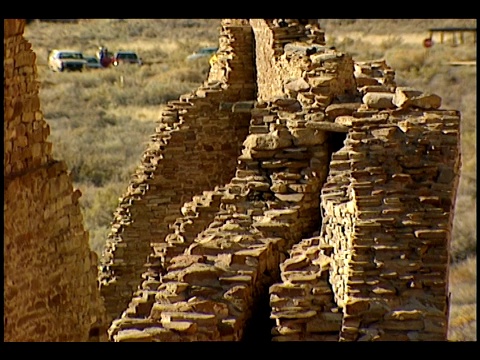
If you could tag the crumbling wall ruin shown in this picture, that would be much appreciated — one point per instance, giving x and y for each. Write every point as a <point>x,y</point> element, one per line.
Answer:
<point>381,258</point>
<point>50,276</point>
<point>297,195</point>
<point>367,274</point>
<point>194,148</point>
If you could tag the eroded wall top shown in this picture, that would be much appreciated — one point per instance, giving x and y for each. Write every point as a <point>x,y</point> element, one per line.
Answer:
<point>25,130</point>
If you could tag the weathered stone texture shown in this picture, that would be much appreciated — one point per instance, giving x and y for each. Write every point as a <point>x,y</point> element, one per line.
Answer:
<point>50,285</point>
<point>194,148</point>
<point>377,252</point>
<point>293,176</point>
<point>387,206</point>
<point>25,130</point>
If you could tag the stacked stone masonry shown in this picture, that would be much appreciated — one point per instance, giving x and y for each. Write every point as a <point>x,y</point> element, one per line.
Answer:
<point>251,237</point>
<point>297,195</point>
<point>50,274</point>
<point>195,147</point>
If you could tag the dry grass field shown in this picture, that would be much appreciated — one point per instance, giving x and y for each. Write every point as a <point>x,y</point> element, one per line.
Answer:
<point>101,119</point>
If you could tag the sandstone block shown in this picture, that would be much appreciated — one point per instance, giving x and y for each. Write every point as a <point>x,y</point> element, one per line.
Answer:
<point>133,335</point>
<point>364,80</point>
<point>289,290</point>
<point>345,109</point>
<point>271,141</point>
<point>408,97</point>
<point>293,313</point>
<point>316,81</point>
<point>298,84</point>
<point>295,263</point>
<point>198,318</point>
<point>379,100</point>
<point>308,137</point>
<point>325,322</point>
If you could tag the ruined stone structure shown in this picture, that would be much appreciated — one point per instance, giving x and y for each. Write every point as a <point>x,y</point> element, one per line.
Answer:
<point>297,195</point>
<point>50,274</point>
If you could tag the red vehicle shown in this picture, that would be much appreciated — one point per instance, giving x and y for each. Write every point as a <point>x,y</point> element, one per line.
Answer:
<point>106,61</point>
<point>104,56</point>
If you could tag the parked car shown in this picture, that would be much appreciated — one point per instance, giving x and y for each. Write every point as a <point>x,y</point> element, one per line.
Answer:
<point>92,62</point>
<point>202,53</point>
<point>126,57</point>
<point>66,60</point>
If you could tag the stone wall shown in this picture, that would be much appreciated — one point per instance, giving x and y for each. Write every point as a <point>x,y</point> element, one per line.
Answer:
<point>297,195</point>
<point>50,285</point>
<point>378,268</point>
<point>271,37</point>
<point>210,277</point>
<point>378,271</point>
<point>194,148</point>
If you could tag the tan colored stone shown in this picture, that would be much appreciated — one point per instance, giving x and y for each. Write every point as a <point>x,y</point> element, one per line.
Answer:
<point>361,220</point>
<point>379,100</point>
<point>133,335</point>
<point>333,111</point>
<point>345,120</point>
<point>290,197</point>
<point>293,313</point>
<point>199,274</point>
<point>288,215</point>
<point>308,137</point>
<point>279,187</point>
<point>188,327</point>
<point>271,141</point>
<point>408,97</point>
<point>297,85</point>
<point>327,126</point>
<point>198,318</point>
<point>209,307</point>
<point>298,262</point>
<point>290,290</point>
<point>325,322</point>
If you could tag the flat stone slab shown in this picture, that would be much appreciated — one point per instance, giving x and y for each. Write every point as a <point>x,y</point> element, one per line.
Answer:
<point>199,318</point>
<point>327,126</point>
<point>292,314</point>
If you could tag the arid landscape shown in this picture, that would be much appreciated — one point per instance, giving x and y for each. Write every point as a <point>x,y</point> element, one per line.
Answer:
<point>101,119</point>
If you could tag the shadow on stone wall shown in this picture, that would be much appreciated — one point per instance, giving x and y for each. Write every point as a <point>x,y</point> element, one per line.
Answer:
<point>296,196</point>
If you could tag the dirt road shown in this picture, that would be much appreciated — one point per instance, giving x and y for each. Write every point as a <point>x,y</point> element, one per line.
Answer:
<point>407,38</point>
<point>379,39</point>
